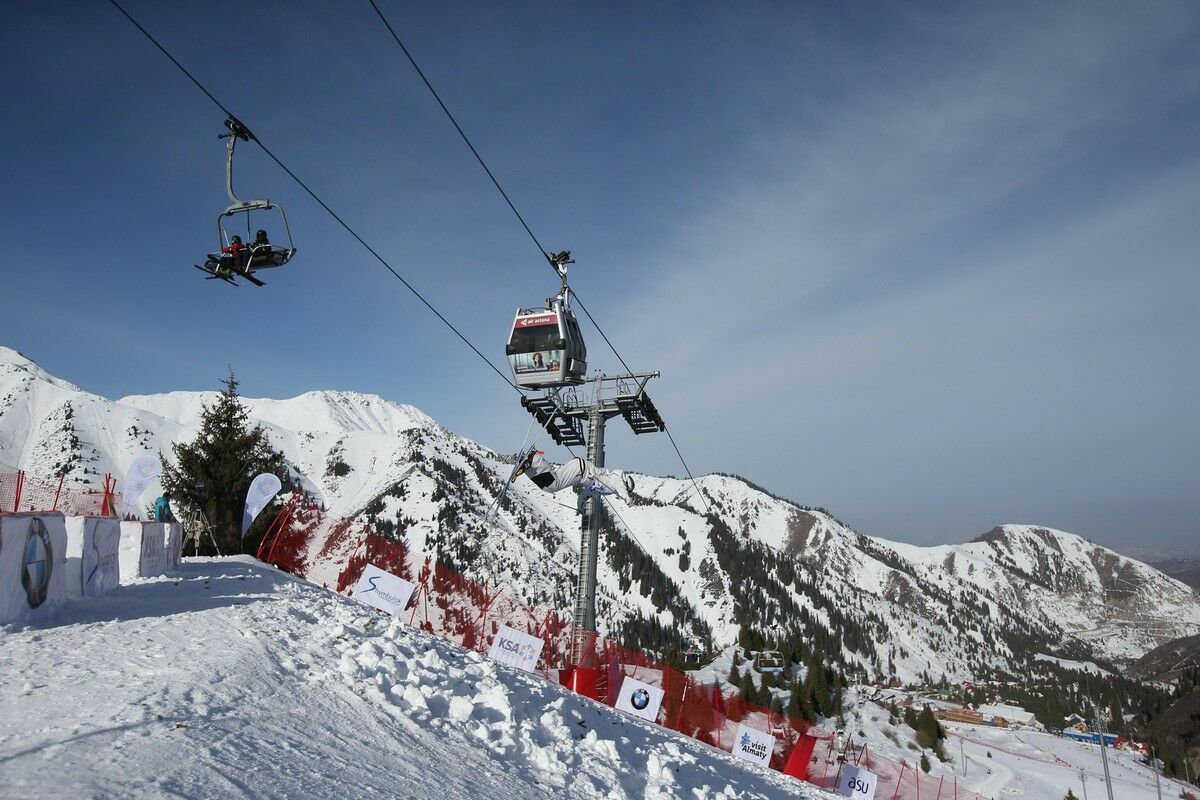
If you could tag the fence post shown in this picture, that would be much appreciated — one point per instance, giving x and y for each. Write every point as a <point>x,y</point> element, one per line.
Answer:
<point>58,491</point>
<point>899,778</point>
<point>20,485</point>
<point>939,794</point>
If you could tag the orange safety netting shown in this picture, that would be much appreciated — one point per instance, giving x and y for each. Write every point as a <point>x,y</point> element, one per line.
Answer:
<point>470,613</point>
<point>21,493</point>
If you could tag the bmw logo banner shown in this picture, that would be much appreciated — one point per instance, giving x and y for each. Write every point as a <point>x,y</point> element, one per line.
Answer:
<point>857,783</point>
<point>32,566</point>
<point>517,649</point>
<point>752,745</point>
<point>640,699</point>
<point>385,591</point>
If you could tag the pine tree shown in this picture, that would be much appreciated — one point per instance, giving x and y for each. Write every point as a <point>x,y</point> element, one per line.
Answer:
<point>925,763</point>
<point>213,471</point>
<point>735,669</point>
<point>1070,795</point>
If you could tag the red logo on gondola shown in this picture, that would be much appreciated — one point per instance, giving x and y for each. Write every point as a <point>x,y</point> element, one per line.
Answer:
<point>541,319</point>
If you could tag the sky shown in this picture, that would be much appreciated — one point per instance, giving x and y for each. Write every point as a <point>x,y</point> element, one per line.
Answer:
<point>932,267</point>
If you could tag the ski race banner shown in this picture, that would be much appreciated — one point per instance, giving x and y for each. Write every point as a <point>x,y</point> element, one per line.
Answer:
<point>857,783</point>
<point>640,699</point>
<point>516,649</point>
<point>93,544</point>
<point>33,550</point>
<point>261,492</point>
<point>383,590</point>
<point>753,745</point>
<point>148,549</point>
<point>142,472</point>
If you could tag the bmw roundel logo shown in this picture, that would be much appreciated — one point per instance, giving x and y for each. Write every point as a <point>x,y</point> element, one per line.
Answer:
<point>39,559</point>
<point>640,699</point>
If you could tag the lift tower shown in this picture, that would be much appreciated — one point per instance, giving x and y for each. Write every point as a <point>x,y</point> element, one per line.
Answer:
<point>563,412</point>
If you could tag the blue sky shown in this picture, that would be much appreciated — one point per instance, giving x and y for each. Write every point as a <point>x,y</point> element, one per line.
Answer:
<point>933,267</point>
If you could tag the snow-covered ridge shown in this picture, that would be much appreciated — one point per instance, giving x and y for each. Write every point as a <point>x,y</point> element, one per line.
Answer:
<point>891,608</point>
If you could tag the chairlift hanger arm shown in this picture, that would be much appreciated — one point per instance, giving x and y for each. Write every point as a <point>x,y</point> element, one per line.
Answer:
<point>236,131</point>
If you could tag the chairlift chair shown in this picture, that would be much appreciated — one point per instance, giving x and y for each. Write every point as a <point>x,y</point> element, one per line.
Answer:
<point>255,257</point>
<point>545,346</point>
<point>769,661</point>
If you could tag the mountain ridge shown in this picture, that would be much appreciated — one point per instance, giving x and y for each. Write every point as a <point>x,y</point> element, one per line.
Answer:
<point>672,567</point>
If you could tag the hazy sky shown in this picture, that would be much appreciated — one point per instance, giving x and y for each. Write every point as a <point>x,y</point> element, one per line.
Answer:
<point>933,267</point>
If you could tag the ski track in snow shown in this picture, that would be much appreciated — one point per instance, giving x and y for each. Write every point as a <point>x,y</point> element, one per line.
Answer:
<point>233,680</point>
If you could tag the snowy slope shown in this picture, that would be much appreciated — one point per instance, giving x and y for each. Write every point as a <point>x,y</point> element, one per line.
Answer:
<point>233,680</point>
<point>1000,602</point>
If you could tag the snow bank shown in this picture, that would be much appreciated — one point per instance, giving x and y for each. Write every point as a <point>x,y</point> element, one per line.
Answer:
<point>275,688</point>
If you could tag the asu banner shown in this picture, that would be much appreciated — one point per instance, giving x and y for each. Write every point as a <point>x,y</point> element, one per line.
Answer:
<point>857,783</point>
<point>752,745</point>
<point>640,699</point>
<point>385,591</point>
<point>515,648</point>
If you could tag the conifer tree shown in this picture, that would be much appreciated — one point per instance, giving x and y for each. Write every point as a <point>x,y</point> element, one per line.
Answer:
<point>214,470</point>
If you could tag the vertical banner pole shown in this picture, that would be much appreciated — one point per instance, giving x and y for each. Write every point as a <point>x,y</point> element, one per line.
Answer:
<point>58,491</point>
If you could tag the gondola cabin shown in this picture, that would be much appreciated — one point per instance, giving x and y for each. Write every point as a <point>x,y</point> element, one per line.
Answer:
<point>545,348</point>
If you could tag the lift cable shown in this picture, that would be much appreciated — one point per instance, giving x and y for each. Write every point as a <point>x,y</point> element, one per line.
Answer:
<point>462,133</point>
<point>396,37</point>
<point>316,197</point>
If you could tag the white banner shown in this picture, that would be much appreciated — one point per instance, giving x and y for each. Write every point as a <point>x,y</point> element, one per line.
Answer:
<point>174,543</point>
<point>752,745</point>
<point>142,471</point>
<point>129,552</point>
<point>155,558</point>
<point>92,546</point>
<point>383,590</point>
<point>857,782</point>
<point>261,492</point>
<point>640,699</point>
<point>33,550</point>
<point>515,648</point>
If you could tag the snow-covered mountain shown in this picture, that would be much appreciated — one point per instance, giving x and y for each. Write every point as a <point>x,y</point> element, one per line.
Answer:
<point>671,563</point>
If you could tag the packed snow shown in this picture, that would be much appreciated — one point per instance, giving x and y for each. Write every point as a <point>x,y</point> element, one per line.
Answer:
<point>230,679</point>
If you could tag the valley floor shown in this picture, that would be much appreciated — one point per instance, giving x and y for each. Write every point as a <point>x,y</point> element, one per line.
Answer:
<point>233,680</point>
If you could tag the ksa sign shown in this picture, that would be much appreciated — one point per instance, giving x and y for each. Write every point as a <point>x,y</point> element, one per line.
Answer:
<point>383,590</point>
<point>640,699</point>
<point>516,649</point>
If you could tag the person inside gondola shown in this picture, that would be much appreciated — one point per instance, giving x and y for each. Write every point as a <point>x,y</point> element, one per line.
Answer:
<point>538,363</point>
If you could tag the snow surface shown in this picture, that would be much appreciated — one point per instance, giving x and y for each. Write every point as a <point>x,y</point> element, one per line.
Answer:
<point>233,680</point>
<point>1026,764</point>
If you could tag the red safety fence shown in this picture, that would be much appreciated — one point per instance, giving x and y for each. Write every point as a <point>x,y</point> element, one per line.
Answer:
<point>470,613</point>
<point>21,492</point>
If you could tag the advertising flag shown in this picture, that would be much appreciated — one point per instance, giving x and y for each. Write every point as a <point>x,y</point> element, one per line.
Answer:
<point>261,492</point>
<point>640,699</point>
<point>142,471</point>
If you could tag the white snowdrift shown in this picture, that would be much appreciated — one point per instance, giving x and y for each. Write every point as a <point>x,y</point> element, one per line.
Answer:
<point>234,680</point>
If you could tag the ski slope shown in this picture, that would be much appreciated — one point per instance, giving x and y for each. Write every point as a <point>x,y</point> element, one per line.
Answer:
<point>233,680</point>
<point>1009,763</point>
